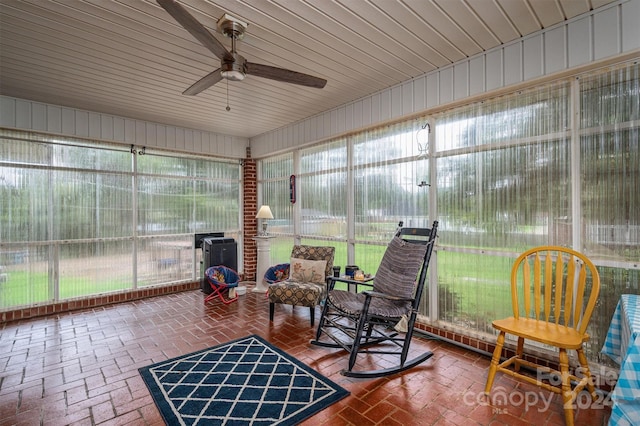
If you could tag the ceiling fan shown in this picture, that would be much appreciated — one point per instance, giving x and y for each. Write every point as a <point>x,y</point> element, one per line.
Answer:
<point>233,66</point>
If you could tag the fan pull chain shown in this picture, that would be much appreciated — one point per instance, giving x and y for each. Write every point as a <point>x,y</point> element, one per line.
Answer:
<point>228,108</point>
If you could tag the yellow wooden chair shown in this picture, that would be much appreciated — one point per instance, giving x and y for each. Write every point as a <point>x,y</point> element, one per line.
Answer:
<point>553,293</point>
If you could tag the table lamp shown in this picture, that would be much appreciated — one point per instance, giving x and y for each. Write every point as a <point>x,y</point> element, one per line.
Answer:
<point>264,213</point>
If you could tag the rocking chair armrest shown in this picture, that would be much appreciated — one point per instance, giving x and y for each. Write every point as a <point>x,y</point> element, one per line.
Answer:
<point>370,293</point>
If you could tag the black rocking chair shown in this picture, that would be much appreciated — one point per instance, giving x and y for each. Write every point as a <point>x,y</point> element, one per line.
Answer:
<point>381,320</point>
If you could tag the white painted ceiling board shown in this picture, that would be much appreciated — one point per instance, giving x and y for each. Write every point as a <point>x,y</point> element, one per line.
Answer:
<point>445,51</point>
<point>355,30</point>
<point>470,22</point>
<point>443,24</point>
<point>521,14</point>
<point>495,18</point>
<point>548,12</point>
<point>575,7</point>
<point>330,42</point>
<point>130,58</point>
<point>596,3</point>
<point>382,27</point>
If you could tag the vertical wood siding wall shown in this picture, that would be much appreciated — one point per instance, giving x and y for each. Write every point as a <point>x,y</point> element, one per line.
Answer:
<point>36,116</point>
<point>605,33</point>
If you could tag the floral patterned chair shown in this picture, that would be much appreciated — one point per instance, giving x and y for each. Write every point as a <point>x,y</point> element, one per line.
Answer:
<point>306,283</point>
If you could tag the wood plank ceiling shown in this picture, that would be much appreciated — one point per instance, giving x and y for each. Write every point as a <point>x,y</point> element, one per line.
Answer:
<point>130,58</point>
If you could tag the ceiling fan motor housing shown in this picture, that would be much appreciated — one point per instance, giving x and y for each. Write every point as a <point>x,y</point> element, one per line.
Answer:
<point>231,27</point>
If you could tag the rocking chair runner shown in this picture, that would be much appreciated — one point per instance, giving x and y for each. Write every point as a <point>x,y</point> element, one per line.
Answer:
<point>357,321</point>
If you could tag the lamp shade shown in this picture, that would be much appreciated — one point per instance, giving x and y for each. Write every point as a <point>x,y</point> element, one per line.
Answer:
<point>264,213</point>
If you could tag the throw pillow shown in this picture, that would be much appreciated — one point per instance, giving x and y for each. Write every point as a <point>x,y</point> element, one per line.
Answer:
<point>307,271</point>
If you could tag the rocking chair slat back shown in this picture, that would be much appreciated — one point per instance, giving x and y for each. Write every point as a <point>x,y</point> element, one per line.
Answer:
<point>399,268</point>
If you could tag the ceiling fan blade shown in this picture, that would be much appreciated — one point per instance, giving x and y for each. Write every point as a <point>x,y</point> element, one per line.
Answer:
<point>288,76</point>
<point>195,28</point>
<point>204,83</point>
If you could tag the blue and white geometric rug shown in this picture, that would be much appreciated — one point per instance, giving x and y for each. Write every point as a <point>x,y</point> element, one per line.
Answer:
<point>243,382</point>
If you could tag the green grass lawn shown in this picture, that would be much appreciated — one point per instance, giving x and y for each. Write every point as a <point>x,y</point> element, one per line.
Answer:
<point>472,287</point>
<point>25,288</point>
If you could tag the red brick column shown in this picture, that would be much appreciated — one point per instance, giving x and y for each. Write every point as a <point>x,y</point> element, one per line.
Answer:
<point>250,207</point>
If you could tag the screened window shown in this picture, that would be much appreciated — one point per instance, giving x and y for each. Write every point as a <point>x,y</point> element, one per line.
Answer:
<point>275,189</point>
<point>506,174</point>
<point>610,178</point>
<point>323,175</point>
<point>610,161</point>
<point>503,186</point>
<point>80,219</point>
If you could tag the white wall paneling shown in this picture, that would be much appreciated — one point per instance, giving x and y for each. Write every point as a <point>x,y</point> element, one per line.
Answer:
<point>375,108</point>
<point>385,104</point>
<point>39,117</point>
<point>189,144</point>
<point>309,134</point>
<point>22,114</point>
<point>630,28</point>
<point>446,85</point>
<point>600,34</point>
<point>397,103</point>
<point>8,112</point>
<point>433,94</point>
<point>461,80</point>
<point>333,122</point>
<point>151,135</point>
<point>107,127</point>
<point>118,129</point>
<point>532,57</point>
<point>358,111</point>
<point>348,116</point>
<point>54,119</point>
<point>35,116</point>
<point>326,123</point>
<point>607,32</point>
<point>82,124</point>
<point>555,50</point>
<point>476,75</point>
<point>130,131</point>
<point>94,125</point>
<point>419,94</point>
<point>494,68</point>
<point>140,130</point>
<point>512,64</point>
<point>581,51</point>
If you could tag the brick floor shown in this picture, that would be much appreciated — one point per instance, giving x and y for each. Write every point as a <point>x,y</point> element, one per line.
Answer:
<point>82,368</point>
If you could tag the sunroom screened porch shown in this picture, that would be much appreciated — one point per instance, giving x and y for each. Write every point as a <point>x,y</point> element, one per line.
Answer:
<point>501,175</point>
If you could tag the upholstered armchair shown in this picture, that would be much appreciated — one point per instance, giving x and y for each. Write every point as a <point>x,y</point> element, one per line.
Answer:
<point>306,284</point>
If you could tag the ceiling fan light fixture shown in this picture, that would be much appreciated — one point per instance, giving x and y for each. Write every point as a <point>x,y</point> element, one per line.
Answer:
<point>233,75</point>
<point>234,67</point>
